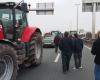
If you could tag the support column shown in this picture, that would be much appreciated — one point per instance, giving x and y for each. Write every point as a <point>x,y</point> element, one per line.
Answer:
<point>93,20</point>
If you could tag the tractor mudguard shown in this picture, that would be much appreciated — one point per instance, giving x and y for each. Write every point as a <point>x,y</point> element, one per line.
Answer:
<point>1,33</point>
<point>6,41</point>
<point>28,32</point>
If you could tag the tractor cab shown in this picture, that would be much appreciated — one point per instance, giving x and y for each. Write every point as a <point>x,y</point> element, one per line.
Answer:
<point>13,19</point>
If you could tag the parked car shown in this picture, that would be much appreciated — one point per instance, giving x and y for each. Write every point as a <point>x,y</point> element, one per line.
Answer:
<point>48,40</point>
<point>54,33</point>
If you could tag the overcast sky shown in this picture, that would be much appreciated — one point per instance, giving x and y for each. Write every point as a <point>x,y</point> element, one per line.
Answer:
<point>64,18</point>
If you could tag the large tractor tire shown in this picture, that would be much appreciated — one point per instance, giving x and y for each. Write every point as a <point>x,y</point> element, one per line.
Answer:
<point>8,62</point>
<point>36,49</point>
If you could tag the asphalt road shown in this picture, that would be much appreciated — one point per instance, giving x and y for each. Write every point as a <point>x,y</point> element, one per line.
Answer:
<point>51,70</point>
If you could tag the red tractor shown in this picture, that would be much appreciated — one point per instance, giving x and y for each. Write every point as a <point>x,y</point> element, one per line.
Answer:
<point>20,44</point>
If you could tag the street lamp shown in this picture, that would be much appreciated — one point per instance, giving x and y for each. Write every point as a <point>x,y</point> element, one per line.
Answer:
<point>77,5</point>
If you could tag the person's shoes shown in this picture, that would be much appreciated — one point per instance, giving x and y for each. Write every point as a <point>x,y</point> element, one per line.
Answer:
<point>80,67</point>
<point>75,68</point>
<point>65,72</point>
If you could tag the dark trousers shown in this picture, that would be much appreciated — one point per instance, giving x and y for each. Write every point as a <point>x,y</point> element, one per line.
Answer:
<point>56,48</point>
<point>97,72</point>
<point>65,62</point>
<point>78,59</point>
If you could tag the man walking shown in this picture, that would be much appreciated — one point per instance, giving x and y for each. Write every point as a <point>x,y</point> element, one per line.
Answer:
<point>56,41</point>
<point>65,46</point>
<point>96,51</point>
<point>77,51</point>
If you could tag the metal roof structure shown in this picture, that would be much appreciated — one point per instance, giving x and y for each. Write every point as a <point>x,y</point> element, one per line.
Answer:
<point>90,1</point>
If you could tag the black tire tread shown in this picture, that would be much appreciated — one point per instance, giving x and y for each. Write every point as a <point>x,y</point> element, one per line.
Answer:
<point>6,49</point>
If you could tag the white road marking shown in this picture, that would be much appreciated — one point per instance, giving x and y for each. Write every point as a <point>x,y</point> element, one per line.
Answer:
<point>57,58</point>
<point>87,47</point>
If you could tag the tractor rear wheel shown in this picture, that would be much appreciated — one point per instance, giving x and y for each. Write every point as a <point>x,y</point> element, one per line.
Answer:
<point>8,63</point>
<point>35,49</point>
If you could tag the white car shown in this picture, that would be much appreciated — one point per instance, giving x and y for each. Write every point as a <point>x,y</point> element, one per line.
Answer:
<point>48,40</point>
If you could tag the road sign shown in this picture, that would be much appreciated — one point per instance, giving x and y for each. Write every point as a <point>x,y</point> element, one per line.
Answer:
<point>87,5</point>
<point>44,8</point>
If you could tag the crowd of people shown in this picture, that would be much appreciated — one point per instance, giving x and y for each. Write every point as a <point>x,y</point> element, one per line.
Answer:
<point>68,45</point>
<point>73,45</point>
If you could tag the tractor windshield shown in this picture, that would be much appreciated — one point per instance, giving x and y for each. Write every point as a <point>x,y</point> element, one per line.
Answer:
<point>21,18</point>
<point>6,17</point>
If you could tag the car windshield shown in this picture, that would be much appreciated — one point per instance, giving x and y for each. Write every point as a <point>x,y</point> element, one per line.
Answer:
<point>54,33</point>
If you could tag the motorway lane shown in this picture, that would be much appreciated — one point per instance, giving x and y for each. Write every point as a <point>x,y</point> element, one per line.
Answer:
<point>49,70</point>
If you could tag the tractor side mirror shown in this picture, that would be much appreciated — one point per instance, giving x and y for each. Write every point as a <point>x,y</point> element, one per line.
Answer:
<point>24,7</point>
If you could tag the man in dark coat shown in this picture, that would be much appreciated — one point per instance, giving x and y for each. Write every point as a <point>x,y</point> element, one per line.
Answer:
<point>96,51</point>
<point>56,41</point>
<point>77,51</point>
<point>65,46</point>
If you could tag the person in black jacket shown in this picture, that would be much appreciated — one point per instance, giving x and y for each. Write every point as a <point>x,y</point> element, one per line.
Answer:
<point>56,41</point>
<point>96,51</point>
<point>65,46</point>
<point>77,51</point>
